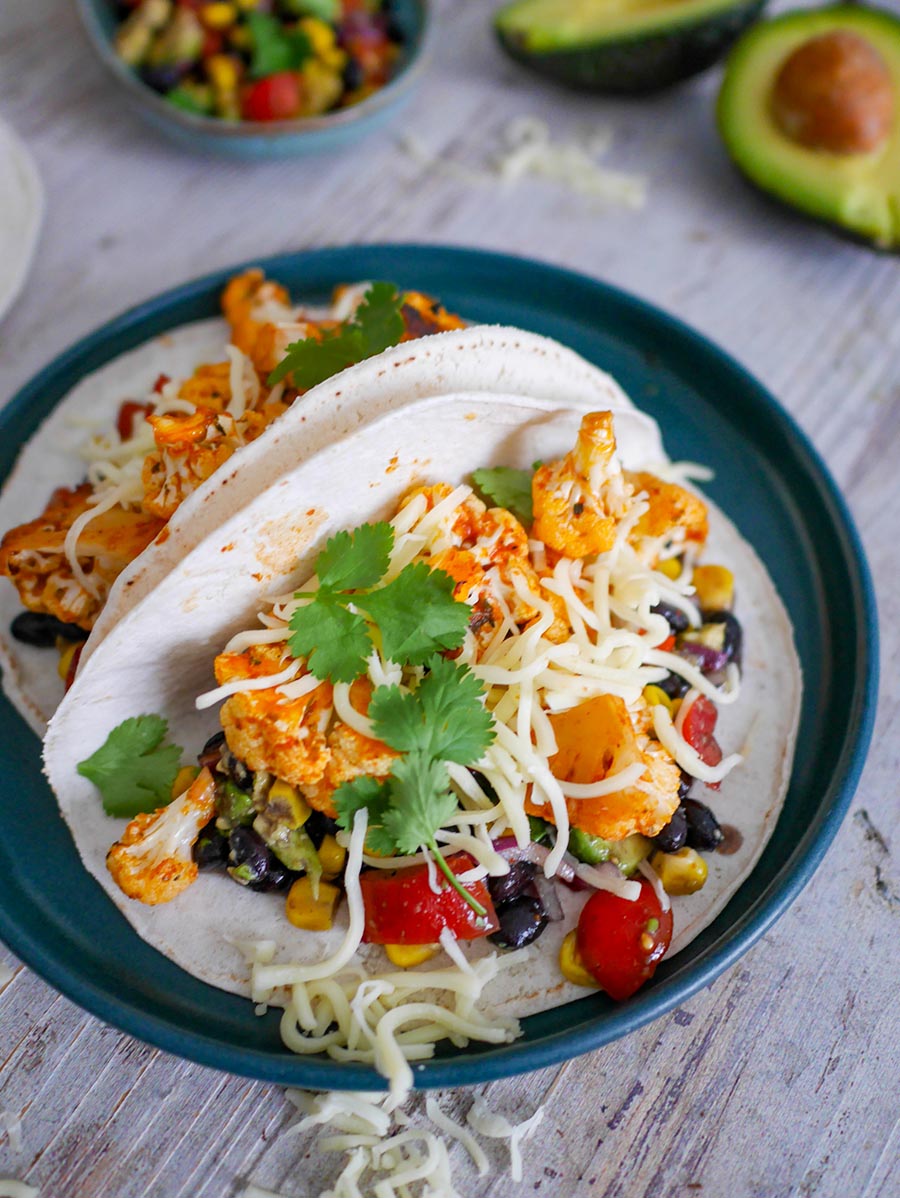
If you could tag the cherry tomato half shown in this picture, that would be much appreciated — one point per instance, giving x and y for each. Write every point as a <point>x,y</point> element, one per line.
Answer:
<point>621,943</point>
<point>275,98</point>
<point>401,908</point>
<point>129,412</point>
<point>697,729</point>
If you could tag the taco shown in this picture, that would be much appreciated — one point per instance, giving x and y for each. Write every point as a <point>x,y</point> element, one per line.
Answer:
<point>551,718</point>
<point>126,505</point>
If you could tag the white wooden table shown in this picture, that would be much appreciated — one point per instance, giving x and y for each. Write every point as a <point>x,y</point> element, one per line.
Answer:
<point>781,1078</point>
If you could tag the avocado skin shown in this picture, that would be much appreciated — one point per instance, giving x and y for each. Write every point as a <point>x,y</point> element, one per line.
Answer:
<point>642,64</point>
<point>803,196</point>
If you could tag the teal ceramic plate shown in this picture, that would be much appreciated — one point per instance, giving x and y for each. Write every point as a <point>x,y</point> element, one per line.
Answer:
<point>270,139</point>
<point>768,479</point>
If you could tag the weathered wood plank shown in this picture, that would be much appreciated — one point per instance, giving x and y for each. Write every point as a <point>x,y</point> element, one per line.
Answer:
<point>778,1080</point>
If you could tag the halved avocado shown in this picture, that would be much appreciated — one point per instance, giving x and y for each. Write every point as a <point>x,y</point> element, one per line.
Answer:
<point>621,46</point>
<point>857,193</point>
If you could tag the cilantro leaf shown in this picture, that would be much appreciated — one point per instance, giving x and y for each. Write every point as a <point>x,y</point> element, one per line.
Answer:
<point>421,800</point>
<point>275,48</point>
<point>376,796</point>
<point>334,640</point>
<point>417,614</point>
<point>379,318</point>
<point>507,488</point>
<point>351,560</point>
<point>377,324</point>
<point>444,717</point>
<point>133,770</point>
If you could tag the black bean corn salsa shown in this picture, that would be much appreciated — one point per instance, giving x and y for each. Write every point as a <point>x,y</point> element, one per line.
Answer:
<point>260,60</point>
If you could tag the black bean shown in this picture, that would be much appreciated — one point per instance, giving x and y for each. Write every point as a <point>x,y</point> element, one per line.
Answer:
<point>678,621</point>
<point>354,75</point>
<point>318,826</point>
<point>674,834</point>
<point>249,858</point>
<point>521,922</point>
<point>510,886</point>
<point>235,769</point>
<point>211,849</point>
<point>674,685</point>
<point>41,630</point>
<point>278,877</point>
<point>211,752</point>
<point>733,644</point>
<point>685,784</point>
<point>703,830</point>
<point>166,76</point>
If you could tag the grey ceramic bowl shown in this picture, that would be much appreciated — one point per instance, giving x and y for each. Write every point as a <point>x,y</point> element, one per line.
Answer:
<point>271,139</point>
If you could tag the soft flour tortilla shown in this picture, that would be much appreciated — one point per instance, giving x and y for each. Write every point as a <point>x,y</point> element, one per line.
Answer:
<point>482,359</point>
<point>160,655</point>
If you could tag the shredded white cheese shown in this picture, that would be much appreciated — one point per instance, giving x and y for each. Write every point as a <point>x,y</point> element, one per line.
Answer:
<point>486,1123</point>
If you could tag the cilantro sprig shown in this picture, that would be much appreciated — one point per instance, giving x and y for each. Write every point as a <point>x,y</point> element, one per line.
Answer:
<point>507,488</point>
<point>416,613</point>
<point>275,48</point>
<point>377,324</point>
<point>133,770</point>
<point>442,720</point>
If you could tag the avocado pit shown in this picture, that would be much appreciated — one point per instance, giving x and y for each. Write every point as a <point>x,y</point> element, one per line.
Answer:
<point>834,93</point>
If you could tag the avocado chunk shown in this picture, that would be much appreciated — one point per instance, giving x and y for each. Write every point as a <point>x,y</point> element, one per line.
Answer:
<point>626,854</point>
<point>857,190</point>
<point>624,47</point>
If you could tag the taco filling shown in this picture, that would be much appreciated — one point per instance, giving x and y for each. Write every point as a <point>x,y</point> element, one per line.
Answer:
<point>478,704</point>
<point>173,437</point>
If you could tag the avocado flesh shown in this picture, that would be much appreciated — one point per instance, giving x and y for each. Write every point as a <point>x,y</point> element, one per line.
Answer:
<point>621,47</point>
<point>547,25</point>
<point>858,193</point>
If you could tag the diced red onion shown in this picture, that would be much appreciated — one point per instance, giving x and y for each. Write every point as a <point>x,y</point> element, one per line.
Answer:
<point>705,658</point>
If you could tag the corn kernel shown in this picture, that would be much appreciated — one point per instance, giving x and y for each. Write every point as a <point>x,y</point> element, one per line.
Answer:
<point>406,956</point>
<point>655,695</point>
<point>332,855</point>
<point>218,16</point>
<point>247,5</point>
<point>313,913</point>
<point>293,809</point>
<point>66,653</point>
<point>570,963</point>
<point>222,72</point>
<point>714,586</point>
<point>321,35</point>
<point>322,87</point>
<point>183,779</point>
<point>683,872</point>
<point>671,567</point>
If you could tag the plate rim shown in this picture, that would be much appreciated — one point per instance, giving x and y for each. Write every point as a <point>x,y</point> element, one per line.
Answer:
<point>518,1057</point>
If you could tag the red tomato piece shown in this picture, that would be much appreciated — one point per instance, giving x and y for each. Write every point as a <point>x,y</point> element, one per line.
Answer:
<point>697,729</point>
<point>401,908</point>
<point>73,667</point>
<point>621,943</point>
<point>667,645</point>
<point>161,380</point>
<point>275,98</point>
<point>128,413</point>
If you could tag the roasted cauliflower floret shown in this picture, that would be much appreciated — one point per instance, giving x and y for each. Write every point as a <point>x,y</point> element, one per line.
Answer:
<point>152,862</point>
<point>598,739</point>
<point>33,558</point>
<point>190,448</point>
<point>352,756</point>
<point>267,731</point>
<point>675,514</point>
<point>423,316</point>
<point>208,387</point>
<point>249,302</point>
<point>579,499</point>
